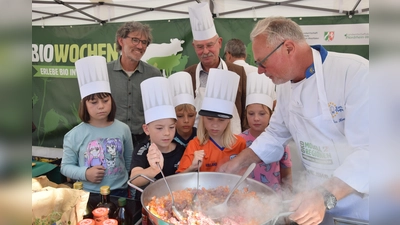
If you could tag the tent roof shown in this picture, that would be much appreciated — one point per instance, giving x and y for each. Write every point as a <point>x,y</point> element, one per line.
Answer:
<point>74,12</point>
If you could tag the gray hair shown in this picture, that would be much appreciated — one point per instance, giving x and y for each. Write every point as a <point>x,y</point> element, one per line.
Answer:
<point>133,26</point>
<point>277,29</point>
<point>236,48</point>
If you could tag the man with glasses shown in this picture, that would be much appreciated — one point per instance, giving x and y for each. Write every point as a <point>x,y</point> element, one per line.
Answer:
<point>127,72</point>
<point>207,45</point>
<point>323,105</point>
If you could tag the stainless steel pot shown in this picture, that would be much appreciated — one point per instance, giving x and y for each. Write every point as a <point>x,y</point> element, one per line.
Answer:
<point>208,180</point>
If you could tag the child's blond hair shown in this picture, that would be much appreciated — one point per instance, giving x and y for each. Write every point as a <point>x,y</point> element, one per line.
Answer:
<point>185,107</point>
<point>228,138</point>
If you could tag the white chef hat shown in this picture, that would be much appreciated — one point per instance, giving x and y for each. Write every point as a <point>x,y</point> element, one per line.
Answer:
<point>201,21</point>
<point>258,90</point>
<point>157,99</point>
<point>220,96</point>
<point>182,88</point>
<point>92,75</point>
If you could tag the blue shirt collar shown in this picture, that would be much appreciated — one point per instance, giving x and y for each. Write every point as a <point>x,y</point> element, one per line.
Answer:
<point>323,52</point>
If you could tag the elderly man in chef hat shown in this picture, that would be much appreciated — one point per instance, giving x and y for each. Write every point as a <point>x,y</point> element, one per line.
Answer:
<point>207,45</point>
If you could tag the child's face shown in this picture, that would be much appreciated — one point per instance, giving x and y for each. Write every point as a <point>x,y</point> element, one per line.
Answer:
<point>161,132</point>
<point>257,117</point>
<point>215,126</point>
<point>185,121</point>
<point>99,109</point>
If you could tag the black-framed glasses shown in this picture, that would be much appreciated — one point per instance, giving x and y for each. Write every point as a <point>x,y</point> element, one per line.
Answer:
<point>136,41</point>
<point>260,64</point>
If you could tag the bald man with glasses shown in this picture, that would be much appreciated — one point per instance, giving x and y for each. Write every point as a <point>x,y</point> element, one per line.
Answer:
<point>127,72</point>
<point>323,105</point>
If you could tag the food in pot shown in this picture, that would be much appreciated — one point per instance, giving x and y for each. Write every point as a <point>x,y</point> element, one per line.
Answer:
<point>245,207</point>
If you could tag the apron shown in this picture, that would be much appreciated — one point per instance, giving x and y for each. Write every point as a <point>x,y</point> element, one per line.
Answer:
<point>322,147</point>
<point>201,93</point>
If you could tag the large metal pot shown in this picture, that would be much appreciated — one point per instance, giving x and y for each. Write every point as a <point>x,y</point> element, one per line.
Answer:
<point>207,180</point>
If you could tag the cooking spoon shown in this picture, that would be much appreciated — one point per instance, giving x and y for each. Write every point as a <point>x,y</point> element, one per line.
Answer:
<point>175,211</point>
<point>195,203</point>
<point>218,211</point>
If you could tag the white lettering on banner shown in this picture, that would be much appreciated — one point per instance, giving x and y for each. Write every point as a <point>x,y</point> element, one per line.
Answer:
<point>49,71</point>
<point>340,34</point>
<point>42,53</point>
<point>72,72</point>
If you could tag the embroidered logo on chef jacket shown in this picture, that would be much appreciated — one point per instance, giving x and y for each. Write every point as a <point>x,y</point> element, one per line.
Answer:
<point>315,153</point>
<point>336,112</point>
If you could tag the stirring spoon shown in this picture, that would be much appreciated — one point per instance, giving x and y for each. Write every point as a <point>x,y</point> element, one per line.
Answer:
<point>195,202</point>
<point>218,211</point>
<point>175,211</point>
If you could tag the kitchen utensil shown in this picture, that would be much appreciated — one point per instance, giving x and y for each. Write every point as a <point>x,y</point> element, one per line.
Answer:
<point>195,203</point>
<point>175,211</point>
<point>220,210</point>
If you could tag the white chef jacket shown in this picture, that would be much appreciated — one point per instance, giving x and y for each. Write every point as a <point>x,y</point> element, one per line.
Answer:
<point>346,86</point>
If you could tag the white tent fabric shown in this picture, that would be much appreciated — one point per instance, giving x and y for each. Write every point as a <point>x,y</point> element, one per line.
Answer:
<point>76,12</point>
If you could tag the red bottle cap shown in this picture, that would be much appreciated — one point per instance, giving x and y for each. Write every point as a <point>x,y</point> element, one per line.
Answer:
<point>86,222</point>
<point>101,211</point>
<point>110,222</point>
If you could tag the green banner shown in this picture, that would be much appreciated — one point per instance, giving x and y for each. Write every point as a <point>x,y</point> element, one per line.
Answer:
<point>55,50</point>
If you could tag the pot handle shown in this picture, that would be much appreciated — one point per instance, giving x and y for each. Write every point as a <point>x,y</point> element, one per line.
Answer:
<point>139,175</point>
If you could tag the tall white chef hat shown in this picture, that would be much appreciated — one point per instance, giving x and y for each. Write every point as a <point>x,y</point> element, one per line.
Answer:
<point>92,75</point>
<point>157,99</point>
<point>182,88</point>
<point>258,90</point>
<point>201,22</point>
<point>220,96</point>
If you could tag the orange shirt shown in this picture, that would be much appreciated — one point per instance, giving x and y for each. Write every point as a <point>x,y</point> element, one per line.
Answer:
<point>214,156</point>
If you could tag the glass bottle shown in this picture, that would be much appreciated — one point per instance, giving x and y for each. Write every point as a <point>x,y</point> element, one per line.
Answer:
<point>145,217</point>
<point>88,211</point>
<point>105,201</point>
<point>121,214</point>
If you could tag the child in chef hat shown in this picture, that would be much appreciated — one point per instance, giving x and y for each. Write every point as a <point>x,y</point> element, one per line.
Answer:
<point>160,122</point>
<point>260,96</point>
<point>97,151</point>
<point>183,99</point>
<point>215,143</point>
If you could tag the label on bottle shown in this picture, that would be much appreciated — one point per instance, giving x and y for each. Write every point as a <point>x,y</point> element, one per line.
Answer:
<point>145,217</point>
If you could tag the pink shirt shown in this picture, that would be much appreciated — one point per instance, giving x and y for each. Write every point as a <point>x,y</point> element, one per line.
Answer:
<point>269,174</point>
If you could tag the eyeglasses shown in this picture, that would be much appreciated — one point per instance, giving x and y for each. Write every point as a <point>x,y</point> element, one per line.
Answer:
<point>208,45</point>
<point>136,41</point>
<point>260,64</point>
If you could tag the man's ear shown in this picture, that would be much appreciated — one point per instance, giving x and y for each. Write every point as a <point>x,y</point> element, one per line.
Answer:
<point>289,46</point>
<point>146,129</point>
<point>119,39</point>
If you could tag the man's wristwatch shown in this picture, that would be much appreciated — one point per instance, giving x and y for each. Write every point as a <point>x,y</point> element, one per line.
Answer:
<point>329,199</point>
